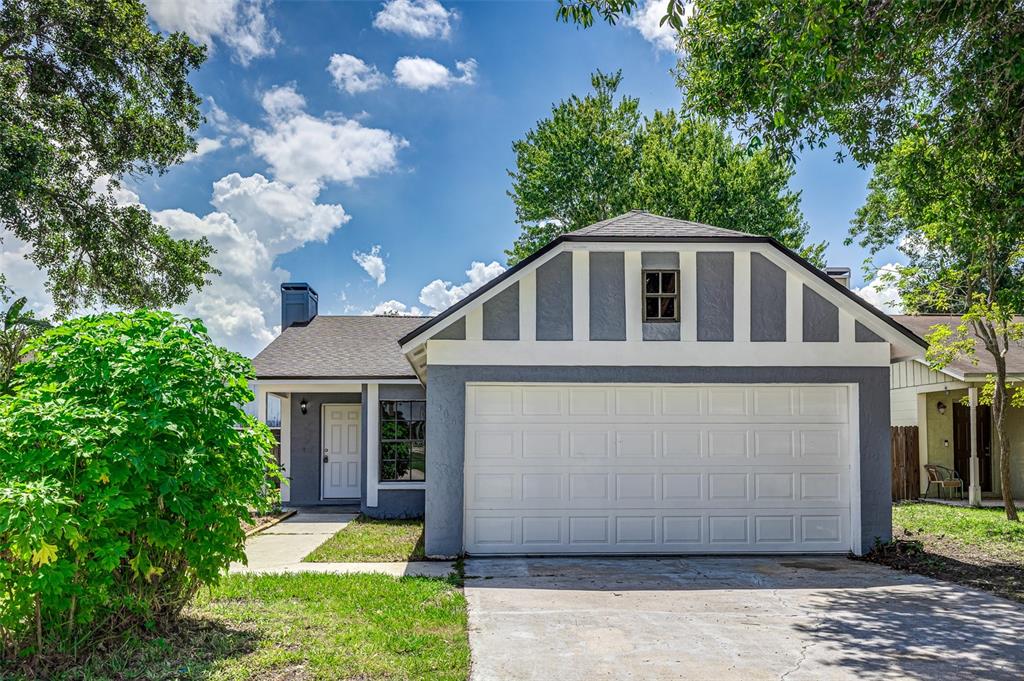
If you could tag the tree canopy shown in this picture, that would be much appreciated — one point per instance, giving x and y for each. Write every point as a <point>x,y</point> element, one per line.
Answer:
<point>597,156</point>
<point>89,95</point>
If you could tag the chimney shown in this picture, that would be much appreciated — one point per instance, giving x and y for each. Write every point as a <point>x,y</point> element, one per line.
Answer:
<point>841,275</point>
<point>298,304</point>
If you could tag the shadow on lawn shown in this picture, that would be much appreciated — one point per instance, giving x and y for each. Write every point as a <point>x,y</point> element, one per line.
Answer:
<point>190,648</point>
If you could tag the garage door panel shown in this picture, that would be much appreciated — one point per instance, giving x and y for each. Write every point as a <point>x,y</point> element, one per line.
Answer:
<point>656,487</point>
<point>556,404</point>
<point>555,468</point>
<point>700,531</point>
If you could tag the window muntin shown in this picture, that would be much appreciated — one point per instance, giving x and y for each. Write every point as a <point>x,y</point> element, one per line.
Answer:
<point>403,432</point>
<point>661,295</point>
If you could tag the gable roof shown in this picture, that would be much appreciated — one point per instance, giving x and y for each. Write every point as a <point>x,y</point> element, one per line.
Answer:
<point>640,223</point>
<point>641,226</point>
<point>336,347</point>
<point>922,325</point>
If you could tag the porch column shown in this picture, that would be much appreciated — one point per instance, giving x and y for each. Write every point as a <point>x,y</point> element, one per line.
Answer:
<point>286,445</point>
<point>372,443</point>
<point>974,494</point>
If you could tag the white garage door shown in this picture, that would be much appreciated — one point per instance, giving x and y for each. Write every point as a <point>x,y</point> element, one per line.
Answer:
<point>567,468</point>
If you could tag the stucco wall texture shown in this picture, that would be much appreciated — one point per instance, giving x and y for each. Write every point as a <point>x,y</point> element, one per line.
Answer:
<point>446,398</point>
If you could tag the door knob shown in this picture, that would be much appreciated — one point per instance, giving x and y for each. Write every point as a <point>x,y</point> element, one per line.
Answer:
<point>325,458</point>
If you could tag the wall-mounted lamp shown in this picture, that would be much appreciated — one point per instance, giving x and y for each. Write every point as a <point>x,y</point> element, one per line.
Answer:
<point>941,406</point>
<point>304,405</point>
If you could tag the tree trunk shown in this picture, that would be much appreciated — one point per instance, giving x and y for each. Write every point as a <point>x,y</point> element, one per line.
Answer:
<point>999,402</point>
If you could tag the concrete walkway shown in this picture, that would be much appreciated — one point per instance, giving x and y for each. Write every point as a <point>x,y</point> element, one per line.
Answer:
<point>732,619</point>
<point>281,548</point>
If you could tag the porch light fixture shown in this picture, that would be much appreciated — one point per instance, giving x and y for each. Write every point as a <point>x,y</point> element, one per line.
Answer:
<point>941,406</point>
<point>304,405</point>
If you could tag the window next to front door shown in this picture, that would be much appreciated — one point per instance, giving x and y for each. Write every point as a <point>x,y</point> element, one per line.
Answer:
<point>661,295</point>
<point>403,428</point>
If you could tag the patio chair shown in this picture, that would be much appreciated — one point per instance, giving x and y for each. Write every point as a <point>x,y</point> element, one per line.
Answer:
<point>943,478</point>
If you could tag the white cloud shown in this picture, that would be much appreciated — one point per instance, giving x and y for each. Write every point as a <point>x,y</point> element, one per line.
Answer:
<point>283,100</point>
<point>22,276</point>
<point>395,308</point>
<point>241,25</point>
<point>882,294</point>
<point>417,18</point>
<point>303,149</point>
<point>439,295</point>
<point>204,145</point>
<point>373,263</point>
<point>647,20</point>
<point>420,73</point>
<point>353,75</point>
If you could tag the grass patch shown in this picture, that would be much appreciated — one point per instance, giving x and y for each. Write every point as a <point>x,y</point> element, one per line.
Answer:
<point>986,528</point>
<point>976,547</point>
<point>298,627</point>
<point>367,540</point>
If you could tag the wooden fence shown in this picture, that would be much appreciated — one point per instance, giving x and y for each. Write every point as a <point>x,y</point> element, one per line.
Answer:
<point>906,466</point>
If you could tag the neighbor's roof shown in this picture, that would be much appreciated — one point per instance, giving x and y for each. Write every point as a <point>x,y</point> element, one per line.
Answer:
<point>348,347</point>
<point>922,326</point>
<point>644,225</point>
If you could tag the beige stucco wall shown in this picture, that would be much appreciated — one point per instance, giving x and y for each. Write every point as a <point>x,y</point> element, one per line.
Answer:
<point>940,439</point>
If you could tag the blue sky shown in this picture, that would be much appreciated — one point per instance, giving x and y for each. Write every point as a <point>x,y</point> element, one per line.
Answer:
<point>397,159</point>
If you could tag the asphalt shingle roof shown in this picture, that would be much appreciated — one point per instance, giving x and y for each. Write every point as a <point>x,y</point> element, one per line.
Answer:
<point>922,325</point>
<point>640,223</point>
<point>339,347</point>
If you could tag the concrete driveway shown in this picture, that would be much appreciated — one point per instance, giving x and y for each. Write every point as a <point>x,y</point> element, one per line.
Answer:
<point>563,619</point>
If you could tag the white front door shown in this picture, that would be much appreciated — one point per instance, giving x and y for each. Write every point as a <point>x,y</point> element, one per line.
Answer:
<point>564,468</point>
<point>341,470</point>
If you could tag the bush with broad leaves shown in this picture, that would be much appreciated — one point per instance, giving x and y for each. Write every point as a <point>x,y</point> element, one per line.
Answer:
<point>126,467</point>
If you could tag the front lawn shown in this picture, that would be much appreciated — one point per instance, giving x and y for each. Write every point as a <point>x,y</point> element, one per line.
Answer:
<point>366,540</point>
<point>302,626</point>
<point>976,547</point>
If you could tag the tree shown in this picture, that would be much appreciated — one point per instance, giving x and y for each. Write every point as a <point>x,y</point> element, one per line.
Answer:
<point>938,81</point>
<point>869,72</point>
<point>88,95</point>
<point>17,327</point>
<point>128,466</point>
<point>597,157</point>
<point>956,216</point>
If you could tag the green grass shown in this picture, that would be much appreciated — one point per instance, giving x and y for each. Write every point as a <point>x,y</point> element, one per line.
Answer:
<point>983,527</point>
<point>366,540</point>
<point>303,626</point>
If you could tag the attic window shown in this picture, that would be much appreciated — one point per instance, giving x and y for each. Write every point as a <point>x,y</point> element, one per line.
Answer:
<point>661,295</point>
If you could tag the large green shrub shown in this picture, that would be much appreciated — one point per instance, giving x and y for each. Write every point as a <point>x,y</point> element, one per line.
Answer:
<point>126,466</point>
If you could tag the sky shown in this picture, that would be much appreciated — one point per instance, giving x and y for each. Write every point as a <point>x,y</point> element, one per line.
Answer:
<point>363,147</point>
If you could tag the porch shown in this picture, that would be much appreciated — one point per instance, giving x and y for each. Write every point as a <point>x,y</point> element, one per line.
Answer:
<point>330,447</point>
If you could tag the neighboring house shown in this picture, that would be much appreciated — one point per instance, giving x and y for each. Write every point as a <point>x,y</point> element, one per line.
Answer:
<point>939,403</point>
<point>642,385</point>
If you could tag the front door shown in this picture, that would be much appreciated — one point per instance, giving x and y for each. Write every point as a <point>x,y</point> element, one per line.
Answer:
<point>341,470</point>
<point>962,444</point>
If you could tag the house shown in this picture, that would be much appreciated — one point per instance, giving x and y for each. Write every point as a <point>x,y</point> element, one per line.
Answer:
<point>642,385</point>
<point>940,404</point>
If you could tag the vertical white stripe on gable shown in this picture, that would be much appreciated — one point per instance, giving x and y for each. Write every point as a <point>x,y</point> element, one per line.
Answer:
<point>634,295</point>
<point>741,296</point>
<point>688,295</point>
<point>475,323</point>
<point>794,309</point>
<point>581,295</point>
<point>846,331</point>
<point>528,306</point>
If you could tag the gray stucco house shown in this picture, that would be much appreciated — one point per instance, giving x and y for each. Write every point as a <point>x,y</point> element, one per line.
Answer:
<point>642,385</point>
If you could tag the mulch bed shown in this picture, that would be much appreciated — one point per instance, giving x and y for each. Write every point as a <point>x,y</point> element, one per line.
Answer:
<point>995,569</point>
<point>261,521</point>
